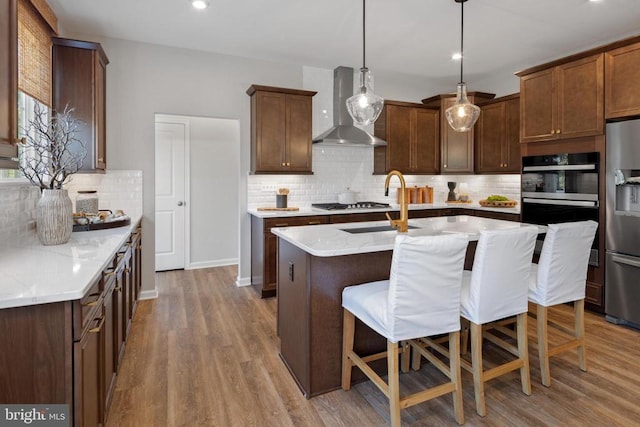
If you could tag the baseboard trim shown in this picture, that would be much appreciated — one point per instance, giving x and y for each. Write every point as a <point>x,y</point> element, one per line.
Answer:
<point>152,294</point>
<point>210,264</point>
<point>243,281</point>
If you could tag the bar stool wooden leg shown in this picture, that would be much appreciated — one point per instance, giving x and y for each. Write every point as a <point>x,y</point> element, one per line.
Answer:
<point>415,360</point>
<point>476,363</point>
<point>348,332</point>
<point>405,357</point>
<point>464,346</point>
<point>454,370</point>
<point>394,383</point>
<point>578,307</point>
<point>523,353</point>
<point>543,345</point>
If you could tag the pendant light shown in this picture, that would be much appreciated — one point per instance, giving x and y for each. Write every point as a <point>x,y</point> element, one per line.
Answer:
<point>365,107</point>
<point>463,114</point>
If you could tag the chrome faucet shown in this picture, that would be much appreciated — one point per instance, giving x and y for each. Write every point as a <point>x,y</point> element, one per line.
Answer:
<point>401,224</point>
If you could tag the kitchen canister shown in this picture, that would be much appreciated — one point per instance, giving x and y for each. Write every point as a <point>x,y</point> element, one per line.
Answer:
<point>87,201</point>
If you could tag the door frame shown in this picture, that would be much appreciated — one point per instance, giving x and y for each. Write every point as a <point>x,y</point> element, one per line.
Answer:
<point>183,120</point>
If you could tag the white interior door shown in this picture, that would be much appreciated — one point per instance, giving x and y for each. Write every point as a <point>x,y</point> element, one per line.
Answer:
<point>170,195</point>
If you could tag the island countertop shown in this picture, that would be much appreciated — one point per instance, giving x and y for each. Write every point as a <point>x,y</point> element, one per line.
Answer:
<point>329,240</point>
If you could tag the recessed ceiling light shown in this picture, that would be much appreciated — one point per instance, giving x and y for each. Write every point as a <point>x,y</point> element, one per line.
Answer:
<point>200,4</point>
<point>456,56</point>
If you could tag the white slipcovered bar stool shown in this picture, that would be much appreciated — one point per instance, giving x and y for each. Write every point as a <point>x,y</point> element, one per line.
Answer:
<point>494,290</point>
<point>421,298</point>
<point>560,277</point>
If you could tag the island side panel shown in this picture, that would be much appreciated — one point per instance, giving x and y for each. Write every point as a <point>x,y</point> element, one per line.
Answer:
<point>293,312</point>
<point>328,276</point>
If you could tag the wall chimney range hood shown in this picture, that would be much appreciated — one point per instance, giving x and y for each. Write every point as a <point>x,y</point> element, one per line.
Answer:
<point>343,131</point>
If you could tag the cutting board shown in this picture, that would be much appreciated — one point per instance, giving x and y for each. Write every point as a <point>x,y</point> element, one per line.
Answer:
<point>278,209</point>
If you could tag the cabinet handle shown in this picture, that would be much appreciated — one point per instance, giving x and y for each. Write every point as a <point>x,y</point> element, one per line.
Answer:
<point>552,131</point>
<point>281,225</point>
<point>288,164</point>
<point>92,303</point>
<point>101,159</point>
<point>97,328</point>
<point>314,222</point>
<point>557,130</point>
<point>283,164</point>
<point>445,166</point>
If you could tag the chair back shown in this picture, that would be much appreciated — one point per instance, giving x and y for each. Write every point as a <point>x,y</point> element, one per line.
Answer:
<point>424,285</point>
<point>562,268</point>
<point>500,276</point>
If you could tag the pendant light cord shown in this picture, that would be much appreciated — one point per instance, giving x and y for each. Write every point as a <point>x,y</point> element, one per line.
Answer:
<point>461,40</point>
<point>363,35</point>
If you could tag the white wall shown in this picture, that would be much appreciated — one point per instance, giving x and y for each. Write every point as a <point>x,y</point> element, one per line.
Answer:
<point>214,199</point>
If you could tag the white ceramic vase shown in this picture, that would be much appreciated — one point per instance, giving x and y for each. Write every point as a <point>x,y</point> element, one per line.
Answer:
<point>54,217</point>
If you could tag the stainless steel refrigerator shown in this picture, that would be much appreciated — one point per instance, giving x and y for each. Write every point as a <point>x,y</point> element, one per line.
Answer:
<point>622,278</point>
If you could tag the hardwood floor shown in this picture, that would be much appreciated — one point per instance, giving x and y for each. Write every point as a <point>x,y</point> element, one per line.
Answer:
<point>206,353</point>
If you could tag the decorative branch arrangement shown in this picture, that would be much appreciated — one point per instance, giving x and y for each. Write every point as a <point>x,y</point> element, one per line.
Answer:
<point>52,153</point>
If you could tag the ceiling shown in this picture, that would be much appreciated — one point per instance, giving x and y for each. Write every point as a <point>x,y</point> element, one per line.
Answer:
<point>413,37</point>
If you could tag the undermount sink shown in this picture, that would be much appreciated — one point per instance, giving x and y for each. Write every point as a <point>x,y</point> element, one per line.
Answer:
<point>373,229</point>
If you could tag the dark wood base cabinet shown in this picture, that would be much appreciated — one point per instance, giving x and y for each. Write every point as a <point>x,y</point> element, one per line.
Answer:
<point>69,352</point>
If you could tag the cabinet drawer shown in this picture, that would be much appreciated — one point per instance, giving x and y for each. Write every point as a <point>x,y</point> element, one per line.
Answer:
<point>295,221</point>
<point>85,309</point>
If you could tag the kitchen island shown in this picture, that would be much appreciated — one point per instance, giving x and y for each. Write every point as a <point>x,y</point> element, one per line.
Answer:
<point>316,263</point>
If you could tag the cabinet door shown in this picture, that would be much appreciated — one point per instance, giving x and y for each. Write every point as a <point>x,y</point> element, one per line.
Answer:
<point>580,97</point>
<point>456,147</point>
<point>8,83</point>
<point>398,138</point>
<point>270,262</point>
<point>100,113</point>
<point>490,138</point>
<point>426,141</point>
<point>109,355</point>
<point>511,147</point>
<point>79,82</point>
<point>88,373</point>
<point>270,131</point>
<point>538,107</point>
<point>622,88</point>
<point>298,133</point>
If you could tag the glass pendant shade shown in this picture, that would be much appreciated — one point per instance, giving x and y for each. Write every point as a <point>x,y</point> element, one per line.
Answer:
<point>365,107</point>
<point>463,114</point>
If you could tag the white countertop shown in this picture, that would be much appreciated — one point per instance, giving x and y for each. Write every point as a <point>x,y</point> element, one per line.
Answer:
<point>306,211</point>
<point>35,274</point>
<point>331,240</point>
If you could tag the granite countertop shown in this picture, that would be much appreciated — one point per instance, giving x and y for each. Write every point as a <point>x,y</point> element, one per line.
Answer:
<point>306,211</point>
<point>328,240</point>
<point>36,274</point>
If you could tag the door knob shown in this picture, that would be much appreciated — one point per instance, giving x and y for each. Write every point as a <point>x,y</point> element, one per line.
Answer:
<point>180,203</point>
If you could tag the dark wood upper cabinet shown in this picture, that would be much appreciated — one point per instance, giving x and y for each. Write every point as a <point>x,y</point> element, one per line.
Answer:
<point>280,130</point>
<point>564,101</point>
<point>411,131</point>
<point>456,148</point>
<point>79,81</point>
<point>622,86</point>
<point>497,136</point>
<point>8,83</point>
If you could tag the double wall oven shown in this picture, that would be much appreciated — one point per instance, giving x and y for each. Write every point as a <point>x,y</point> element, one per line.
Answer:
<point>561,188</point>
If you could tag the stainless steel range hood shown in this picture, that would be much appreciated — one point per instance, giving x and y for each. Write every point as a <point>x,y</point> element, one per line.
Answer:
<point>344,132</point>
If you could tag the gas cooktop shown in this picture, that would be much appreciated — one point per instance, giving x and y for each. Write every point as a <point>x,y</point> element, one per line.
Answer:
<point>357,205</point>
